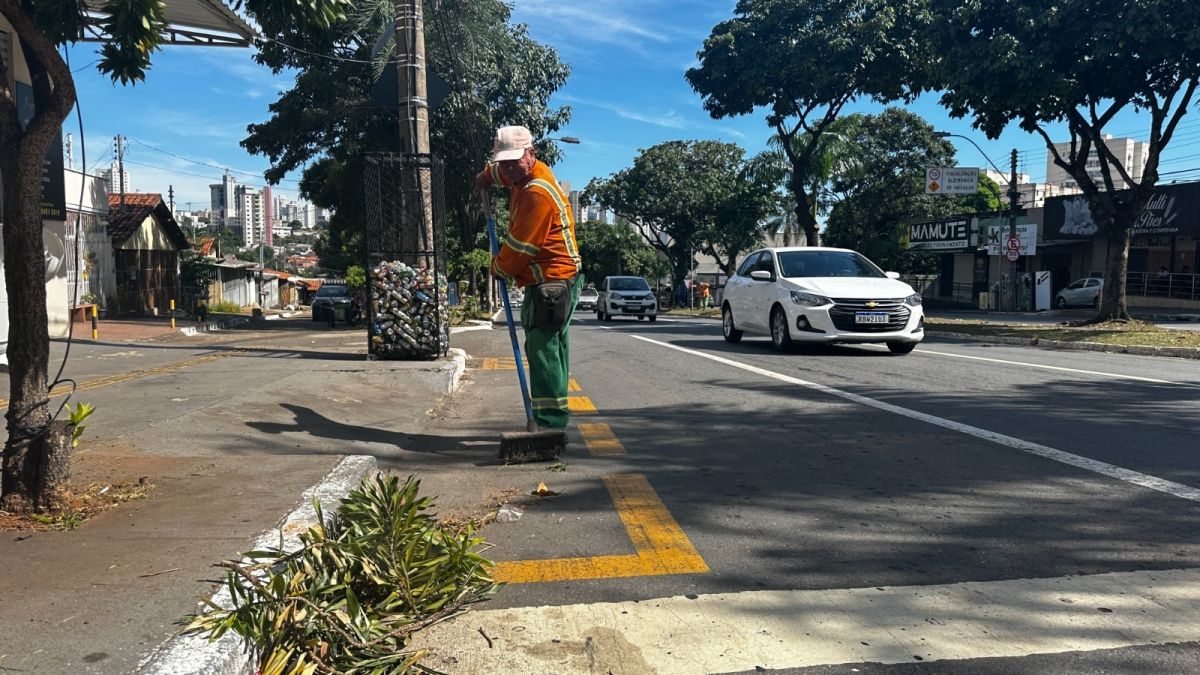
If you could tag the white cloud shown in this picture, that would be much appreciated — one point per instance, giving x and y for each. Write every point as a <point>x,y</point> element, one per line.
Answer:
<point>669,119</point>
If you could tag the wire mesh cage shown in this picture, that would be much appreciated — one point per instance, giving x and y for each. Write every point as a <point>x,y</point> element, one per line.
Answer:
<point>408,318</point>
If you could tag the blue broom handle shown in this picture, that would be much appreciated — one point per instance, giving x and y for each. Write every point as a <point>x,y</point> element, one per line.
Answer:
<point>508,315</point>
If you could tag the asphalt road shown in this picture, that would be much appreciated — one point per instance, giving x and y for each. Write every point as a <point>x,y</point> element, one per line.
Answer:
<point>1000,485</point>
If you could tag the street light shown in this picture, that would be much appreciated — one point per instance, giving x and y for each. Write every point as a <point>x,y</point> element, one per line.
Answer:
<point>565,139</point>
<point>1013,197</point>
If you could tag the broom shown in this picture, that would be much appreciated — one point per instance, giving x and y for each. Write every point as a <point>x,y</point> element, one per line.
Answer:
<point>531,445</point>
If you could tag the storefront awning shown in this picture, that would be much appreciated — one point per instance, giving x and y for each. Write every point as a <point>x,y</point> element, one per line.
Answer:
<point>189,22</point>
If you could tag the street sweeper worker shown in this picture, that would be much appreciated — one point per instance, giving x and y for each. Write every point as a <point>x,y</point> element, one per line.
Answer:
<point>540,255</point>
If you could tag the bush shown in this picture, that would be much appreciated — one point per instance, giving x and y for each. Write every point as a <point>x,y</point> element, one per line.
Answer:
<point>349,599</point>
<point>224,307</point>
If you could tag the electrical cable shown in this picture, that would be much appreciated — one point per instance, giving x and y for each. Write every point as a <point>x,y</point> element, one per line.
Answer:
<point>211,166</point>
<point>58,378</point>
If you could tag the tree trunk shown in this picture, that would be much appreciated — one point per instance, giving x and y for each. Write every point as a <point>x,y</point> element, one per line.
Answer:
<point>804,216</point>
<point>1112,299</point>
<point>35,467</point>
<point>29,339</point>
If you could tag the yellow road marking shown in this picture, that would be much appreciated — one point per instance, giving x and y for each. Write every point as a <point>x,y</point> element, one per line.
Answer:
<point>501,363</point>
<point>599,439</point>
<point>660,544</point>
<point>573,385</point>
<point>581,405</point>
<point>64,389</point>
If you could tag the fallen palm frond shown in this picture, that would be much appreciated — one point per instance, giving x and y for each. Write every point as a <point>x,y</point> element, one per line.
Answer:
<point>349,599</point>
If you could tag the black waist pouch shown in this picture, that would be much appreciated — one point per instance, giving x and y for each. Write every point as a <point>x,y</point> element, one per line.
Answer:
<point>551,304</point>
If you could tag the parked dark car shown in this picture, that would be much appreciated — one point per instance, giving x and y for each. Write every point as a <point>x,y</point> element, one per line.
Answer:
<point>330,298</point>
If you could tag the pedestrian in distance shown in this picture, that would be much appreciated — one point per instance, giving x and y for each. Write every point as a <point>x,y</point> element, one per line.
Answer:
<point>540,256</point>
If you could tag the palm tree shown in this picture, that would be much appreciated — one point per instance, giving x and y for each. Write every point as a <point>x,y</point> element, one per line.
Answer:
<point>833,154</point>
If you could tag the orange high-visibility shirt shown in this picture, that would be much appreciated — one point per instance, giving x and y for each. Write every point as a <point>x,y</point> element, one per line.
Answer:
<point>540,245</point>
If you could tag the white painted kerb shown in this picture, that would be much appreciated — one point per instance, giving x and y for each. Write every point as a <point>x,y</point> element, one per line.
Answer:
<point>188,655</point>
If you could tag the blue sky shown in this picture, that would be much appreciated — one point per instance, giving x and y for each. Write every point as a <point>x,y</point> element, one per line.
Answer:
<point>627,92</point>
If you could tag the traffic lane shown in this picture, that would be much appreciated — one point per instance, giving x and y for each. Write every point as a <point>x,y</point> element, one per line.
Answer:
<point>781,487</point>
<point>1144,426</point>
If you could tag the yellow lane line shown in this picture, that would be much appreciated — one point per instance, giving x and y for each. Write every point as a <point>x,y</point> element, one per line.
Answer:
<point>573,385</point>
<point>661,546</point>
<point>64,389</point>
<point>600,439</point>
<point>581,405</point>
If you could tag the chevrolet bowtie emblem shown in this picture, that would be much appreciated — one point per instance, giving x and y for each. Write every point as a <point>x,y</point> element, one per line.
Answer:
<point>871,304</point>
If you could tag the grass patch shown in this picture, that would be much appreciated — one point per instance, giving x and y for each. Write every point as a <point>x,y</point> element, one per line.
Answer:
<point>710,313</point>
<point>1127,334</point>
<point>92,499</point>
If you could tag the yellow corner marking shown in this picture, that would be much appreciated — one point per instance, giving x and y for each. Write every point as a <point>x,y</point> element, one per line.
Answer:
<point>64,389</point>
<point>661,545</point>
<point>573,385</point>
<point>599,439</point>
<point>501,363</point>
<point>581,405</point>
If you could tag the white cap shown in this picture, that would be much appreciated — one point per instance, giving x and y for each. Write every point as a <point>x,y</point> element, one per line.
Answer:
<point>511,143</point>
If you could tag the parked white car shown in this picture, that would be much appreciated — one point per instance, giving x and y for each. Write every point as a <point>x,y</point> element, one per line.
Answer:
<point>1084,293</point>
<point>626,296</point>
<point>823,295</point>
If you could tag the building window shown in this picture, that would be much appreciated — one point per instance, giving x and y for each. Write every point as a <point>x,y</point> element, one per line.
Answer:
<point>6,68</point>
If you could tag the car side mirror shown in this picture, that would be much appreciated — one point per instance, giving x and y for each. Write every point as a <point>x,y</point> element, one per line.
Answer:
<point>761,275</point>
<point>892,275</point>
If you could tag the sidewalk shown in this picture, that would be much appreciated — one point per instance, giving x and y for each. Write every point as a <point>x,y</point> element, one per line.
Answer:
<point>260,431</point>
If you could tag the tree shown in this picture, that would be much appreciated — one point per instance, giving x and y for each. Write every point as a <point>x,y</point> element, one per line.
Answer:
<point>877,187</point>
<point>1082,62</point>
<point>498,74</point>
<point>135,31</point>
<point>805,60</point>
<point>678,195</point>
<point>615,249</point>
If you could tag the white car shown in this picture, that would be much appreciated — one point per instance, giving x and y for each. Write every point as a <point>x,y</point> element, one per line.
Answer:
<point>821,295</point>
<point>626,296</point>
<point>1084,292</point>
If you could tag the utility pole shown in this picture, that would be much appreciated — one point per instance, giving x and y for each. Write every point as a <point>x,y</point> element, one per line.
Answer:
<point>1014,197</point>
<point>121,168</point>
<point>413,109</point>
<point>171,198</point>
<point>71,152</point>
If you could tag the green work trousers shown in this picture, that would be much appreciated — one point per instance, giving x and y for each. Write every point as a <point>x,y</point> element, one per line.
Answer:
<point>549,353</point>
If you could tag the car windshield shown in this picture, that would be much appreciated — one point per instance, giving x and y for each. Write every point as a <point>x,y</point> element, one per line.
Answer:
<point>590,292</point>
<point>628,284</point>
<point>331,291</point>
<point>827,264</point>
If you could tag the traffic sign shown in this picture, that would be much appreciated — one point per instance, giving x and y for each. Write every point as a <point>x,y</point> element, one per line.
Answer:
<point>1014,244</point>
<point>951,180</point>
<point>1012,254</point>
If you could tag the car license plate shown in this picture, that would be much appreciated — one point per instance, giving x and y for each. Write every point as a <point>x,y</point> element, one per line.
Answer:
<point>870,317</point>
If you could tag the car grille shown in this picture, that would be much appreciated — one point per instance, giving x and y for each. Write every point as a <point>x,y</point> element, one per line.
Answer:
<point>842,314</point>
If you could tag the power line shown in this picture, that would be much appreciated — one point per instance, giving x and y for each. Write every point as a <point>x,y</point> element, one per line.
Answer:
<point>212,178</point>
<point>211,166</point>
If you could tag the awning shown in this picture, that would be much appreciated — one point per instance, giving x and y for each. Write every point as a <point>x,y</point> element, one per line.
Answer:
<point>190,22</point>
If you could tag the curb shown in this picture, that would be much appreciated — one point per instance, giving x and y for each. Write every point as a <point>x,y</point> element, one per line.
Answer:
<point>1176,352</point>
<point>458,366</point>
<point>230,655</point>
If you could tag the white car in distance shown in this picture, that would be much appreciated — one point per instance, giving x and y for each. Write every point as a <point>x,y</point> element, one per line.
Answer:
<point>820,295</point>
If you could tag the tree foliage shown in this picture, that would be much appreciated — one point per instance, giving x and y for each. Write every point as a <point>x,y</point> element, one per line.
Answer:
<point>329,120</point>
<point>1081,62</point>
<point>685,196</point>
<point>804,60</point>
<point>611,249</point>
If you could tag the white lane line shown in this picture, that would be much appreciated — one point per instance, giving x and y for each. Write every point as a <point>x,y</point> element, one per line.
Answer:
<point>922,350</point>
<point>1088,464</point>
<point>731,632</point>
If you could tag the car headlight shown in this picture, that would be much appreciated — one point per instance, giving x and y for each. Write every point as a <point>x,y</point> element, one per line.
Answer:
<point>809,299</point>
<point>913,300</point>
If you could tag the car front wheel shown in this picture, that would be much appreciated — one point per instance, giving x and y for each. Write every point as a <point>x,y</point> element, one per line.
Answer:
<point>781,338</point>
<point>653,318</point>
<point>901,347</point>
<point>1061,303</point>
<point>732,334</point>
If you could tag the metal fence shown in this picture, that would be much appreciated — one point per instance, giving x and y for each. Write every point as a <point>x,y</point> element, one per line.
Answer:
<point>407,314</point>
<point>1159,285</point>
